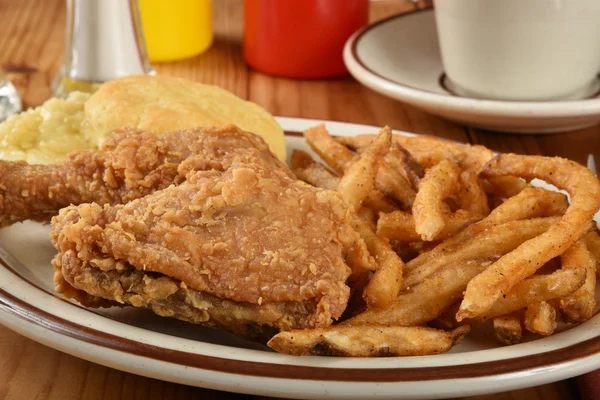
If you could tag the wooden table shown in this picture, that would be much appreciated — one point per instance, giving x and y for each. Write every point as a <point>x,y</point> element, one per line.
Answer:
<point>31,42</point>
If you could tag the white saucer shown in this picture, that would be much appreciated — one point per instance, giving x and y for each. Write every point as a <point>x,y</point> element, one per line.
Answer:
<point>399,57</point>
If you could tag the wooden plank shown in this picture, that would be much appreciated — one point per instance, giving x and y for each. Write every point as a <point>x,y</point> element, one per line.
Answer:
<point>31,42</point>
<point>29,370</point>
<point>223,64</point>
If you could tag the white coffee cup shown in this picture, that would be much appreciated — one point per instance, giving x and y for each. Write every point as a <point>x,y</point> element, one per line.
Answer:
<point>520,49</point>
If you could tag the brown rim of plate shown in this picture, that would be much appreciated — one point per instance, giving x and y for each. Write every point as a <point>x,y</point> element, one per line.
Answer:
<point>25,311</point>
<point>441,79</point>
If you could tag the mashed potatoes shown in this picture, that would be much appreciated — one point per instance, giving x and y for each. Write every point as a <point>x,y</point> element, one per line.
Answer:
<point>46,134</point>
<point>153,103</point>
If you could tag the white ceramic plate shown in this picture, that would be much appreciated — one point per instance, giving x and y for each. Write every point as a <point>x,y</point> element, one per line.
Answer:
<point>400,58</point>
<point>140,342</point>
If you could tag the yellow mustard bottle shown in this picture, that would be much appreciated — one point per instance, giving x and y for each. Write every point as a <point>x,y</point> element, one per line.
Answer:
<point>176,29</point>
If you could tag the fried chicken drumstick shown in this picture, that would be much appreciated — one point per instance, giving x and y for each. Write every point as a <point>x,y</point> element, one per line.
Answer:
<point>130,165</point>
<point>240,244</point>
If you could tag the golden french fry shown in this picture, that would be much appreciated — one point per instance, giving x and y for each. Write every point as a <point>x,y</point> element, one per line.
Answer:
<point>332,152</point>
<point>379,203</point>
<point>506,186</point>
<point>584,189</point>
<point>384,286</point>
<point>471,194</point>
<point>359,259</point>
<point>540,318</point>
<point>339,158</point>
<point>395,185</point>
<point>359,177</point>
<point>400,159</point>
<point>508,330</point>
<point>301,160</point>
<point>535,289</point>
<point>367,341</point>
<point>427,300</point>
<point>429,151</point>
<point>310,171</point>
<point>592,242</point>
<point>428,208</point>
<point>531,203</point>
<point>493,242</point>
<point>386,282</point>
<point>399,225</point>
<point>458,248</point>
<point>579,306</point>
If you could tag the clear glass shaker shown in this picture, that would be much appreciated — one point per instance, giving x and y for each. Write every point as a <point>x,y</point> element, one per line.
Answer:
<point>104,40</point>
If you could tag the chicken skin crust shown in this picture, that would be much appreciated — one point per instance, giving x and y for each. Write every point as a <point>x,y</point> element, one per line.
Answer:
<point>131,164</point>
<point>245,233</point>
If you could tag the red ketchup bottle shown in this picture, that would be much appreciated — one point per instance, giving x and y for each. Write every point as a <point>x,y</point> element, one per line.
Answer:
<point>301,39</point>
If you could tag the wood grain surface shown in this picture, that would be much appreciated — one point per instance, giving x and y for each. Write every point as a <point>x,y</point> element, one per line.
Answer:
<point>31,42</point>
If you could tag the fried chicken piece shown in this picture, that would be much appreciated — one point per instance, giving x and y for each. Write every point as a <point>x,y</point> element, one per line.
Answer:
<point>130,165</point>
<point>250,249</point>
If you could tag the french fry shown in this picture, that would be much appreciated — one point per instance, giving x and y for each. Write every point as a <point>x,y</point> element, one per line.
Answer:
<point>508,329</point>
<point>579,306</point>
<point>481,243</point>
<point>310,171</point>
<point>395,185</point>
<point>429,151</point>
<point>530,203</point>
<point>379,203</point>
<point>471,194</point>
<point>339,158</point>
<point>506,186</point>
<point>332,152</point>
<point>592,242</point>
<point>400,225</point>
<point>535,289</point>
<point>428,209</point>
<point>386,282</point>
<point>397,225</point>
<point>359,177</point>
<point>494,242</point>
<point>359,259</point>
<point>367,341</point>
<point>540,318</point>
<point>301,159</point>
<point>584,189</point>
<point>400,159</point>
<point>427,300</point>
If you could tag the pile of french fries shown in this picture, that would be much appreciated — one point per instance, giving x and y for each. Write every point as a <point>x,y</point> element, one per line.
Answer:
<point>451,235</point>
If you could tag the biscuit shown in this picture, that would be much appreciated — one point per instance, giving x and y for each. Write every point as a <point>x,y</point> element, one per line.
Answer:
<point>161,104</point>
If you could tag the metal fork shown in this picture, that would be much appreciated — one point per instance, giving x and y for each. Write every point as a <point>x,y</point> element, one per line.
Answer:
<point>10,101</point>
